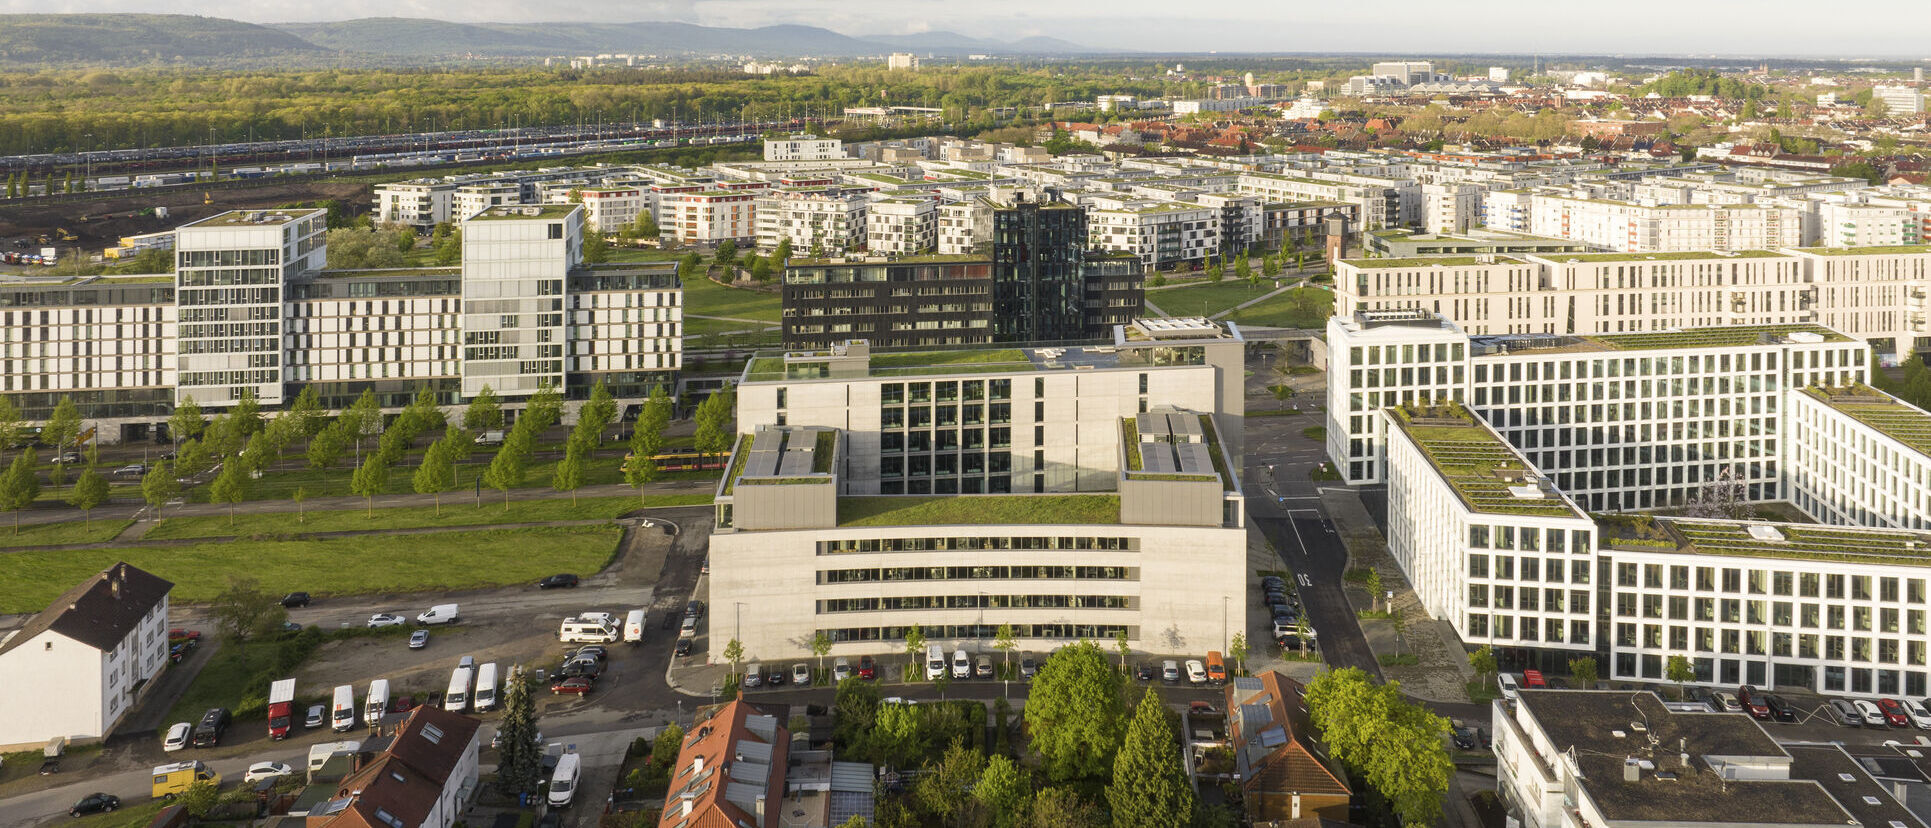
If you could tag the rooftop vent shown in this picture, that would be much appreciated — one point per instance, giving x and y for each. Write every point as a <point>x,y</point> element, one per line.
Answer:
<point>1766,533</point>
<point>1806,337</point>
<point>1526,492</point>
<point>1639,727</point>
<point>1847,777</point>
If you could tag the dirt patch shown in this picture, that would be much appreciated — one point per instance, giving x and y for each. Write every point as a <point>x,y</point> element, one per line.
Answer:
<point>419,673</point>
<point>103,222</point>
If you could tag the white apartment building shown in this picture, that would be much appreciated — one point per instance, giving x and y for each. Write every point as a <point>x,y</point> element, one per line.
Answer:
<point>1688,406</point>
<point>515,260</point>
<point>1161,234</point>
<point>231,273</point>
<point>1666,228</point>
<point>1899,100</point>
<point>471,199</point>
<point>1450,208</point>
<point>813,218</point>
<point>1857,457</point>
<point>105,641</point>
<point>1481,294</point>
<point>610,209</point>
<point>1490,546</point>
<point>1378,204</point>
<point>415,203</point>
<point>1074,493</point>
<point>803,147</point>
<point>1874,294</point>
<point>1871,223</point>
<point>709,216</point>
<point>902,60</point>
<point>902,225</point>
<point>964,226</point>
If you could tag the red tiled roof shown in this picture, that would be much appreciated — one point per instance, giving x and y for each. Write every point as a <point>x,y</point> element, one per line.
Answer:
<point>1293,766</point>
<point>715,739</point>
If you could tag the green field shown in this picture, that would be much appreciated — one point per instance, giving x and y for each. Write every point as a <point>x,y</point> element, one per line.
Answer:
<point>53,534</point>
<point>29,579</point>
<point>458,512</point>
<point>1209,298</point>
<point>707,298</point>
<point>1297,308</point>
<point>604,466</point>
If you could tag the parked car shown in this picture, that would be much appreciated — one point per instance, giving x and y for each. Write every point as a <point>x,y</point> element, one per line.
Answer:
<point>982,666</point>
<point>383,619</point>
<point>1196,671</point>
<point>1143,672</point>
<point>801,674</point>
<point>179,634</point>
<point>683,647</point>
<point>1846,713</point>
<point>1752,702</point>
<point>753,675</point>
<point>177,737</point>
<point>179,651</point>
<point>1725,702</point>
<point>1482,736</point>
<point>592,651</point>
<point>265,770</point>
<point>1780,710</point>
<point>1200,708</point>
<point>95,803</point>
<point>295,599</point>
<point>1873,715</point>
<point>1272,582</point>
<point>1916,712</point>
<point>694,609</point>
<point>1894,714</point>
<point>841,669</point>
<point>1463,737</point>
<point>560,580</point>
<point>1170,671</point>
<point>775,678</point>
<point>1027,668</point>
<point>867,668</point>
<point>575,686</point>
<point>418,639</point>
<point>584,667</point>
<point>317,714</point>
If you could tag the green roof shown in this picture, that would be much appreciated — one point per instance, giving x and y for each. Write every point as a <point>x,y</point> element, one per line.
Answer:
<point>922,258</point>
<point>1868,251</point>
<point>1769,540</point>
<point>515,212</point>
<point>1903,423</point>
<point>240,218</point>
<point>1692,255</point>
<point>1429,261</point>
<point>1468,455</point>
<point>953,362</point>
<point>382,272</point>
<point>1732,337</point>
<point>887,510</point>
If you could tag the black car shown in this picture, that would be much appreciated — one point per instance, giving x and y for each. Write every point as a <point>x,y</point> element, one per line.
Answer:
<point>683,647</point>
<point>1143,672</point>
<point>295,599</point>
<point>694,609</point>
<point>1780,710</point>
<point>559,580</point>
<point>776,678</point>
<point>1272,583</point>
<point>1482,737</point>
<point>95,803</point>
<point>213,724</point>
<point>1464,738</point>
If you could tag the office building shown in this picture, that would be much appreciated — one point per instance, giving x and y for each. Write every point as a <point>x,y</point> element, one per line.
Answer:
<point>1569,758</point>
<point>106,639</point>
<point>231,274</point>
<point>1899,100</point>
<point>1046,286</point>
<point>803,147</point>
<point>1068,492</point>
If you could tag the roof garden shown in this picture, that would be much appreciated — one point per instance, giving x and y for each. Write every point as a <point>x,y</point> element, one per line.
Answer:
<point>805,365</point>
<point>922,258</point>
<point>524,212</point>
<point>1876,250</point>
<point>1485,472</point>
<point>1904,423</point>
<point>1689,255</point>
<point>888,510</point>
<point>1753,539</point>
<point>1429,261</point>
<point>1731,337</point>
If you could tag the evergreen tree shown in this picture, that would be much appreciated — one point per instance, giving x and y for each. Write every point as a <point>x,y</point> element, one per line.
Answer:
<point>520,758</point>
<point>1149,783</point>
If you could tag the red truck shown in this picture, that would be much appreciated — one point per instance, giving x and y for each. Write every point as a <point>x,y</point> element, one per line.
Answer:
<point>281,708</point>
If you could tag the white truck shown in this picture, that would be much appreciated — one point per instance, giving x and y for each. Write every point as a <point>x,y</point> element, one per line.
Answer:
<point>634,627</point>
<point>342,712</point>
<point>377,704</point>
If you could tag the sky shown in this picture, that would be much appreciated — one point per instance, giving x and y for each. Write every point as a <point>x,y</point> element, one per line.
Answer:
<point>1847,28</point>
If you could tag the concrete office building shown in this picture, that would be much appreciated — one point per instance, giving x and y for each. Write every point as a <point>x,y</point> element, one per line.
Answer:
<point>231,273</point>
<point>1070,492</point>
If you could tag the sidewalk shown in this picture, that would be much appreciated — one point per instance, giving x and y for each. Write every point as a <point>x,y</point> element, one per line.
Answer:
<point>1442,674</point>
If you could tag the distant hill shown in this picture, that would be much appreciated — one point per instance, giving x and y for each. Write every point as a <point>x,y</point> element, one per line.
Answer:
<point>132,39</point>
<point>402,37</point>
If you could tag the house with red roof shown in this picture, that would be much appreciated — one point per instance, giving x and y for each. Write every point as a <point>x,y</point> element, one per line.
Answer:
<point>730,771</point>
<point>1285,773</point>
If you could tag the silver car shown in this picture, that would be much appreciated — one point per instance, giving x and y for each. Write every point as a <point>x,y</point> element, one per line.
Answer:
<point>1873,717</point>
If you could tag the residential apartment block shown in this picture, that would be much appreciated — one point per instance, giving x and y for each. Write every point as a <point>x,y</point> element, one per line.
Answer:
<point>1070,492</point>
<point>902,225</point>
<point>231,273</point>
<point>828,219</point>
<point>803,147</point>
<point>107,641</point>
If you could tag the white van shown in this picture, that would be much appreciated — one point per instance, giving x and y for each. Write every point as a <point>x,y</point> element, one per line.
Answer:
<point>597,617</point>
<point>634,627</point>
<point>961,665</point>
<point>438,614</point>
<point>563,783</point>
<point>342,713</point>
<point>377,704</point>
<point>934,662</point>
<point>580,631</point>
<point>486,687</point>
<point>456,699</point>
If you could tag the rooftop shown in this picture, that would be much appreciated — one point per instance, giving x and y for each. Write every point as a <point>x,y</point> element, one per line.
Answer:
<point>954,510</point>
<point>1894,249</point>
<point>857,260</point>
<point>1904,423</point>
<point>1693,255</point>
<point>1486,473</point>
<point>779,455</point>
<point>1760,539</point>
<point>1607,729</point>
<point>252,218</point>
<point>525,212</point>
<point>100,611</point>
<point>1730,337</point>
<point>1430,261</point>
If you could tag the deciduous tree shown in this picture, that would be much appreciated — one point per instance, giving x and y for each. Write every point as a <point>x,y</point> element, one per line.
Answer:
<point>19,486</point>
<point>436,475</point>
<point>11,423</point>
<point>187,421</point>
<point>568,476</point>
<point>90,491</point>
<point>230,487</point>
<point>370,479</point>
<point>1004,790</point>
<point>160,486</point>
<point>244,611</point>
<point>1075,713</point>
<point>62,425</point>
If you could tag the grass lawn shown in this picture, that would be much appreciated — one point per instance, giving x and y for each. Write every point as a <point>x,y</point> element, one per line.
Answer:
<point>29,579</point>
<point>978,509</point>
<point>707,298</point>
<point>604,466</point>
<point>459,511</point>
<point>1297,308</point>
<point>51,534</point>
<point>1208,298</point>
<point>732,334</point>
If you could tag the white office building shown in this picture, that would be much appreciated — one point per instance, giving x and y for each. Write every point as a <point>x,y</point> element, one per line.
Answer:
<point>231,273</point>
<point>1072,493</point>
<point>803,147</point>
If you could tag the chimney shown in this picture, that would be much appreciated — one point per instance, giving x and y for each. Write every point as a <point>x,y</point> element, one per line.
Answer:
<point>760,809</point>
<point>684,804</point>
<point>1631,771</point>
<point>697,765</point>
